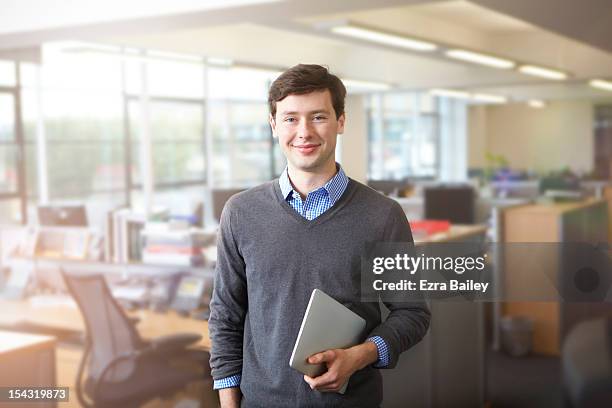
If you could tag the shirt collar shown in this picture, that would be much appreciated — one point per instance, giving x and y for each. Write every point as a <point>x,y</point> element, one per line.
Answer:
<point>334,187</point>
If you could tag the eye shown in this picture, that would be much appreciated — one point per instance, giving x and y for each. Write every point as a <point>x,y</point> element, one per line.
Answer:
<point>289,120</point>
<point>320,117</point>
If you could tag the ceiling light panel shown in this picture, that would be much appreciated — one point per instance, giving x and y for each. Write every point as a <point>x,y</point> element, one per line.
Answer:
<point>482,59</point>
<point>488,98</point>
<point>543,72</point>
<point>369,85</point>
<point>601,84</point>
<point>384,38</point>
<point>536,103</point>
<point>450,93</point>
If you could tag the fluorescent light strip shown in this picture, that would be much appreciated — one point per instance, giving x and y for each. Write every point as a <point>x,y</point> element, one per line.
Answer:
<point>478,97</point>
<point>489,98</point>
<point>370,85</point>
<point>536,103</point>
<point>482,59</point>
<point>450,93</point>
<point>543,72</point>
<point>384,38</point>
<point>601,84</point>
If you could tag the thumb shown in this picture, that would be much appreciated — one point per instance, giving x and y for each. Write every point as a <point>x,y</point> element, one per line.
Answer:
<point>321,357</point>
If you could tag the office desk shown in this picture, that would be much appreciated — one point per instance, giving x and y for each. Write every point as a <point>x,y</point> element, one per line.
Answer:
<point>456,233</point>
<point>65,317</point>
<point>26,360</point>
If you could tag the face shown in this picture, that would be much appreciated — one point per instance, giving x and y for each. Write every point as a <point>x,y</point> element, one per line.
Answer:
<point>306,128</point>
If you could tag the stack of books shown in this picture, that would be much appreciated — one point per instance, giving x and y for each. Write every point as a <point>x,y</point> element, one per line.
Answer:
<point>173,247</point>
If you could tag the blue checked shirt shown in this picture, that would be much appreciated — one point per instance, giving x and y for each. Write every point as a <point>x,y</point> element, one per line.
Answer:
<point>316,203</point>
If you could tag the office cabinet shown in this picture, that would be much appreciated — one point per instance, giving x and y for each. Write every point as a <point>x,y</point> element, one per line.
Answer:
<point>584,221</point>
<point>447,368</point>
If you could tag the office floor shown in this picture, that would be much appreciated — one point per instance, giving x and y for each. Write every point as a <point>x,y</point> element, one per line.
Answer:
<point>68,357</point>
<point>533,381</point>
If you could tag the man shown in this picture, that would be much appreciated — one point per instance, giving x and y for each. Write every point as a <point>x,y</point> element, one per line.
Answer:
<point>280,240</point>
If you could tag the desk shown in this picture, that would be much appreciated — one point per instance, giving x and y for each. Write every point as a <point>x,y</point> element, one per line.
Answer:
<point>65,317</point>
<point>456,233</point>
<point>26,360</point>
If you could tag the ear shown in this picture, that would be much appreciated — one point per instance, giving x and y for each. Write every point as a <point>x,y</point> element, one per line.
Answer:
<point>341,120</point>
<point>272,122</point>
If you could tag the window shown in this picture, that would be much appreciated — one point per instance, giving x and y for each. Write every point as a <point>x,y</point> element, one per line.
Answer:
<point>86,100</point>
<point>177,141</point>
<point>85,151</point>
<point>403,136</point>
<point>241,143</point>
<point>11,197</point>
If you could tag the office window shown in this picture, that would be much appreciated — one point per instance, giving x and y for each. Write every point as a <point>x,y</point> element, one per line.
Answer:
<point>7,117</point>
<point>177,138</point>
<point>85,151</point>
<point>90,100</point>
<point>81,67</point>
<point>10,211</point>
<point>7,73</point>
<point>8,145</point>
<point>29,119</point>
<point>239,83</point>
<point>8,168</point>
<point>241,143</point>
<point>403,136</point>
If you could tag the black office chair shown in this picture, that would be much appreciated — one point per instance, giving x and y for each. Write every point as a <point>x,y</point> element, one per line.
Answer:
<point>123,370</point>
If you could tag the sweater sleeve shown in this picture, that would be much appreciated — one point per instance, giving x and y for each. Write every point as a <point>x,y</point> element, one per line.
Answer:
<point>407,322</point>
<point>228,306</point>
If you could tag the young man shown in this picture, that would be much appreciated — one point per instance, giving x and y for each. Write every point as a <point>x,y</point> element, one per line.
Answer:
<point>280,240</point>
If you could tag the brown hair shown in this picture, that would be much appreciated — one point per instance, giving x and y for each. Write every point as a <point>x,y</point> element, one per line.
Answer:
<point>305,78</point>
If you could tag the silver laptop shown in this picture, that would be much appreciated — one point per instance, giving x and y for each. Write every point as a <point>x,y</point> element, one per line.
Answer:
<point>327,325</point>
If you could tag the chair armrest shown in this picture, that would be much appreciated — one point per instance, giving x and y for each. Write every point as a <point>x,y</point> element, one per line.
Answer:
<point>174,342</point>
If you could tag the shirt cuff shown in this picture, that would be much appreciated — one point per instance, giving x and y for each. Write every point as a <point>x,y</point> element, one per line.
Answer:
<point>383,351</point>
<point>227,382</point>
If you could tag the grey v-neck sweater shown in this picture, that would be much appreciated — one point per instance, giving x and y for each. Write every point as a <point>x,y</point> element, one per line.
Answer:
<point>268,262</point>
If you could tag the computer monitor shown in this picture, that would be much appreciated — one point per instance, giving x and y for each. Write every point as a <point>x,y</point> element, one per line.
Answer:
<point>220,197</point>
<point>62,215</point>
<point>452,203</point>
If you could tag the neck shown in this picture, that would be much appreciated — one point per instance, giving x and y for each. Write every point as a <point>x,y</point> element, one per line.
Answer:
<point>306,181</point>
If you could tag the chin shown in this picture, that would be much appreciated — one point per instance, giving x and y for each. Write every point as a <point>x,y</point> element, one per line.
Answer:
<point>306,164</point>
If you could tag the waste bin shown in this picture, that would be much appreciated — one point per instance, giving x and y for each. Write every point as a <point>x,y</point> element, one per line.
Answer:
<point>516,335</point>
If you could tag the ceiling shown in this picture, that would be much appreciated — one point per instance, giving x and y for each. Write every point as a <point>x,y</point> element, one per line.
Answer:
<point>283,33</point>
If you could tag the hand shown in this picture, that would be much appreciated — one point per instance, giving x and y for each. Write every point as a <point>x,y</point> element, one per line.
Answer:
<point>341,364</point>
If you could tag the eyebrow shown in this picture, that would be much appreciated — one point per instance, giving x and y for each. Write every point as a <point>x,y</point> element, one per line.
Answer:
<point>309,113</point>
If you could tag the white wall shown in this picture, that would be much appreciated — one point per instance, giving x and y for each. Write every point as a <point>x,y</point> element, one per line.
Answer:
<point>542,140</point>
<point>353,144</point>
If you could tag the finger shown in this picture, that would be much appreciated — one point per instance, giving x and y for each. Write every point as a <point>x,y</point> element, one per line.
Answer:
<point>323,357</point>
<point>325,380</point>
<point>332,387</point>
<point>309,380</point>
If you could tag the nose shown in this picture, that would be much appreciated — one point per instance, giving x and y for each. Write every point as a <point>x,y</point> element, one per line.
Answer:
<point>304,129</point>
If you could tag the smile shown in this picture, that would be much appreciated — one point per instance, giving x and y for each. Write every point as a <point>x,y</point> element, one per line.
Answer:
<point>307,148</point>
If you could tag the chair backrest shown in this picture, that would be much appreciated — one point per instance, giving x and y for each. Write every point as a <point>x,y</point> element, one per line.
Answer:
<point>109,330</point>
